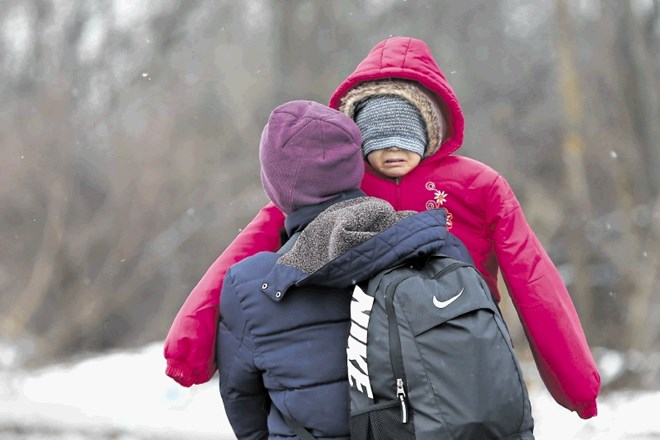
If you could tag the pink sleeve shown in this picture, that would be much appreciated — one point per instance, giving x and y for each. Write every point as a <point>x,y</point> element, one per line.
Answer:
<point>544,306</point>
<point>190,343</point>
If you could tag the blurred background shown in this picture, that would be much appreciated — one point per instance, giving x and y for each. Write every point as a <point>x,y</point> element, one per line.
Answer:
<point>129,133</point>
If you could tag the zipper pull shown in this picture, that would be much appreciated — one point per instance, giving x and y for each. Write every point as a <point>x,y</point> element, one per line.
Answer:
<point>401,394</point>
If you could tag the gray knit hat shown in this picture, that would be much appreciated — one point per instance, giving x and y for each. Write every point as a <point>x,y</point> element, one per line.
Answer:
<point>390,121</point>
<point>420,97</point>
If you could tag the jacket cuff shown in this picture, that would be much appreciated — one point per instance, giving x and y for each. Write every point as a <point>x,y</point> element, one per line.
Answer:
<point>588,410</point>
<point>186,376</point>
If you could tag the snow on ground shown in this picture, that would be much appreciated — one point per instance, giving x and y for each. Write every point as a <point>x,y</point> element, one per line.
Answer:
<point>126,396</point>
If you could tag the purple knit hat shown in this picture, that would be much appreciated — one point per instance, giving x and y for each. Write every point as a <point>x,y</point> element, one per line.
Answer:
<point>309,153</point>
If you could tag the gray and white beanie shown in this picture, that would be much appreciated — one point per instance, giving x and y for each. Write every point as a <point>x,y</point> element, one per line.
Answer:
<point>390,121</point>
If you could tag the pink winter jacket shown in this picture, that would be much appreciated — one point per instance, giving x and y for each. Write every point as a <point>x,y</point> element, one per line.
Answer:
<point>484,213</point>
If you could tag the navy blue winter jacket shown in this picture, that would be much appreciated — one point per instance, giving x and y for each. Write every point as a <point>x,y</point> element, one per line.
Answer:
<point>281,346</point>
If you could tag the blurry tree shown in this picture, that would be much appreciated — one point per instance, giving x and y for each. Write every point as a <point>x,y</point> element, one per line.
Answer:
<point>611,233</point>
<point>576,187</point>
<point>129,135</point>
<point>120,166</point>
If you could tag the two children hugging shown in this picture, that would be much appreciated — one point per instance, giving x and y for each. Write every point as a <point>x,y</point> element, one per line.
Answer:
<point>412,125</point>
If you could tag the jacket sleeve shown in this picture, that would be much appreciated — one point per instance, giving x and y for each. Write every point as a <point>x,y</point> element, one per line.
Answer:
<point>190,343</point>
<point>544,306</point>
<point>244,396</point>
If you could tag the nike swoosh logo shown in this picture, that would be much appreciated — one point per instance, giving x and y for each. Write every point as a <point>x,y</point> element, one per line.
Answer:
<point>442,304</point>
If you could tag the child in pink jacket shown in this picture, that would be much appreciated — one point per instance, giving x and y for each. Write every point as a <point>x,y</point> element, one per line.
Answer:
<point>412,124</point>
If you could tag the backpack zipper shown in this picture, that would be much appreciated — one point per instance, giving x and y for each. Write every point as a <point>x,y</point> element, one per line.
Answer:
<point>396,355</point>
<point>450,268</point>
<point>401,394</point>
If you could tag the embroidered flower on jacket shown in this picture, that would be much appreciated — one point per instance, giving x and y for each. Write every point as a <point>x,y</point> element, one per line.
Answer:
<point>439,199</point>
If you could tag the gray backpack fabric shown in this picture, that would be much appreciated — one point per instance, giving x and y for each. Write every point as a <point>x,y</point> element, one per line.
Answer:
<point>430,357</point>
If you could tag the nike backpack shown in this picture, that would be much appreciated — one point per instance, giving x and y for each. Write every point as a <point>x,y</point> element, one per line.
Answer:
<point>430,357</point>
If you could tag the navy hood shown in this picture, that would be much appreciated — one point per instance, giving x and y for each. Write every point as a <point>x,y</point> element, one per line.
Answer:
<point>353,240</point>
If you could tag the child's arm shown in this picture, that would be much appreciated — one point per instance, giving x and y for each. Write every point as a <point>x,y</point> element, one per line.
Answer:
<point>190,343</point>
<point>544,305</point>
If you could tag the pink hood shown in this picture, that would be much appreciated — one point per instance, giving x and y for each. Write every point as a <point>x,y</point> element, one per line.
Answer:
<point>409,58</point>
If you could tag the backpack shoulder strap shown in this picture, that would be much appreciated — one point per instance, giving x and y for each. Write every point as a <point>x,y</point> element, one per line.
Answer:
<point>286,247</point>
<point>300,431</point>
